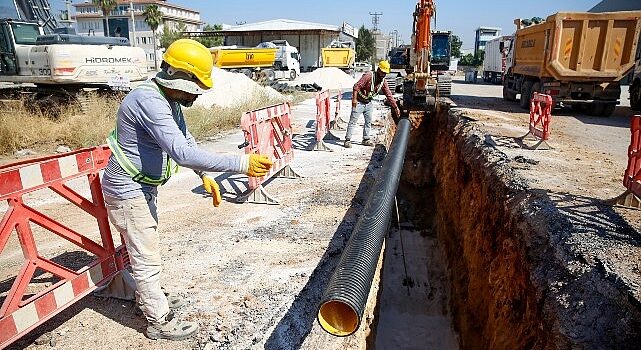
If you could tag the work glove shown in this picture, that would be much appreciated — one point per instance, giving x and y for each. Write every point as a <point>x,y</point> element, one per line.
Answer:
<point>211,186</point>
<point>255,165</point>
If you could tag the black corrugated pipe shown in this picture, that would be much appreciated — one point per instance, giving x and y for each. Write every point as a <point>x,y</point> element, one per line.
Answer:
<point>343,303</point>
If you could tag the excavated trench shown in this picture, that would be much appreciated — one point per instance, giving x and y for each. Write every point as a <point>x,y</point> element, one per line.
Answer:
<point>477,260</point>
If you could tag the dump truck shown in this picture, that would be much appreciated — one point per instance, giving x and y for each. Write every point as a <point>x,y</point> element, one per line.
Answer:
<point>635,86</point>
<point>495,60</point>
<point>267,62</point>
<point>339,54</point>
<point>578,58</point>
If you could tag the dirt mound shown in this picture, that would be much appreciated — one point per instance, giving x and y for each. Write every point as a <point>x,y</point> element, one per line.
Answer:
<point>329,78</point>
<point>231,89</point>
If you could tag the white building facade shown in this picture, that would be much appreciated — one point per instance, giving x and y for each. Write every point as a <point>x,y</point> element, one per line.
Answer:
<point>89,21</point>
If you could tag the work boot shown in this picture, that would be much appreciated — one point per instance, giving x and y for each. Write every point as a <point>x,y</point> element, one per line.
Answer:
<point>347,144</point>
<point>368,142</point>
<point>172,329</point>
<point>175,303</point>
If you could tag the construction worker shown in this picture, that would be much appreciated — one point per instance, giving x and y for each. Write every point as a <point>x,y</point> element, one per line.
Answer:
<point>151,135</point>
<point>364,92</point>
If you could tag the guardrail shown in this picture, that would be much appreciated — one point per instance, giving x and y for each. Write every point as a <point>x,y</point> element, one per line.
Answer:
<point>540,118</point>
<point>632,177</point>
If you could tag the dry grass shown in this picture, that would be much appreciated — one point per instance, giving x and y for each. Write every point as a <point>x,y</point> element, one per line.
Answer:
<point>22,128</point>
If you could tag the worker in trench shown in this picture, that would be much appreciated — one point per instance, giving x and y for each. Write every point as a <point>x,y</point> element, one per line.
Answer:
<point>364,92</point>
<point>149,139</point>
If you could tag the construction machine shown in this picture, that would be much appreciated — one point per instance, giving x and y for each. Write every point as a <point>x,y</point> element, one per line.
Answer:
<point>265,63</point>
<point>579,58</point>
<point>440,57</point>
<point>52,66</point>
<point>340,54</point>
<point>419,87</point>
<point>635,86</point>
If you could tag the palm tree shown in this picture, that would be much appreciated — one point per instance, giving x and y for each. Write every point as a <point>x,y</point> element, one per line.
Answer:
<point>153,17</point>
<point>106,6</point>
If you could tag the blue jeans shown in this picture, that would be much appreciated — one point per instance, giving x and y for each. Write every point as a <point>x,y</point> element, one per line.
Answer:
<point>367,109</point>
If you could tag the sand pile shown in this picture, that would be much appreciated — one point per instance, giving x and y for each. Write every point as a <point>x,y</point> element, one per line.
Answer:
<point>231,89</point>
<point>328,78</point>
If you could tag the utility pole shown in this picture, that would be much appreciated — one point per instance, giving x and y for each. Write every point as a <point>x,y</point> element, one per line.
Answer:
<point>375,19</point>
<point>133,23</point>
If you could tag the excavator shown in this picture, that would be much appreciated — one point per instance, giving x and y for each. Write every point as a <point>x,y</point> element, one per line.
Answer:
<point>51,66</point>
<point>420,86</point>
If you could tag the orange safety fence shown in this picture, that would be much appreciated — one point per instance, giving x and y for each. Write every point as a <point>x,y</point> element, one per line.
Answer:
<point>632,176</point>
<point>540,118</point>
<point>324,120</point>
<point>268,131</point>
<point>22,309</point>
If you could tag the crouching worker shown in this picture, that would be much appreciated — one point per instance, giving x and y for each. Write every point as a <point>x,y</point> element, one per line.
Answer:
<point>149,139</point>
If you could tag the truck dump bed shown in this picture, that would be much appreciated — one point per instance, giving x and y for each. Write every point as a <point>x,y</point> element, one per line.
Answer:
<point>250,57</point>
<point>579,46</point>
<point>338,57</point>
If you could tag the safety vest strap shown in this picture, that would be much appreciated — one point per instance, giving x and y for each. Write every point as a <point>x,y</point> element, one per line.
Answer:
<point>372,93</point>
<point>127,165</point>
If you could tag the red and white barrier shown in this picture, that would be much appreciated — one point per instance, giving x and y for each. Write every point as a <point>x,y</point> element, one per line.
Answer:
<point>268,131</point>
<point>540,118</point>
<point>18,316</point>
<point>324,120</point>
<point>632,177</point>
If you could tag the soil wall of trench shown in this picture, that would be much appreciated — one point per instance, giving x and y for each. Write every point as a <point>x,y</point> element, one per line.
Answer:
<point>517,282</point>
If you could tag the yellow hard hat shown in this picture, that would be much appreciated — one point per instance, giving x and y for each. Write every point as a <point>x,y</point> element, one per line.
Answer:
<point>191,56</point>
<point>384,66</point>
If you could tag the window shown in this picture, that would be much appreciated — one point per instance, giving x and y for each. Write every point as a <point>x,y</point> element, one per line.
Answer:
<point>25,34</point>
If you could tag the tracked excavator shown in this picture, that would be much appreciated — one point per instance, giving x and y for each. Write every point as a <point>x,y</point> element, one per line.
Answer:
<point>49,66</point>
<point>420,87</point>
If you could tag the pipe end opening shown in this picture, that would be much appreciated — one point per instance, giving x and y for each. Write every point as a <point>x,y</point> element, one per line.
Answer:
<point>338,318</point>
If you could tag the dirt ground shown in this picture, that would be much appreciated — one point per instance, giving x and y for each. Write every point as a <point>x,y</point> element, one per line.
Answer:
<point>589,155</point>
<point>253,274</point>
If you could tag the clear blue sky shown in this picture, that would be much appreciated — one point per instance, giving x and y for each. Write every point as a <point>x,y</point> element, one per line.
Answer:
<point>462,17</point>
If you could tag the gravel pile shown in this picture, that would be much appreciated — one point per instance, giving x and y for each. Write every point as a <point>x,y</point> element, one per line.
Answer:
<point>329,78</point>
<point>231,89</point>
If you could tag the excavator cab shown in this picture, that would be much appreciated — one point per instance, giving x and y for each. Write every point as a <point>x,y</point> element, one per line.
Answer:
<point>12,33</point>
<point>441,53</point>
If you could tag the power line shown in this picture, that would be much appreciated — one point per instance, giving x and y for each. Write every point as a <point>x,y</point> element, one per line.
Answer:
<point>375,19</point>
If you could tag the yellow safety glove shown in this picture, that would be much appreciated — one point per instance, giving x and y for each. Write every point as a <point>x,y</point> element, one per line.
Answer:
<point>255,165</point>
<point>211,186</point>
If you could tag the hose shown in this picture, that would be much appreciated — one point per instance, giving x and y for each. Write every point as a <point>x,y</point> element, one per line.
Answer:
<point>342,305</point>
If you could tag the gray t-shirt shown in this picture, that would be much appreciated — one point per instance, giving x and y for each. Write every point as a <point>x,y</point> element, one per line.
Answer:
<point>149,129</point>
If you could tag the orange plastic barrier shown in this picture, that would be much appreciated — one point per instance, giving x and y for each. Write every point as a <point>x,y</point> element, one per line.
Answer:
<point>268,131</point>
<point>18,315</point>
<point>540,118</point>
<point>323,120</point>
<point>632,179</point>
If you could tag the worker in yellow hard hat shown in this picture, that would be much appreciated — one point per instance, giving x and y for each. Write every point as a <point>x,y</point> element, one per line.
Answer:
<point>365,89</point>
<point>149,139</point>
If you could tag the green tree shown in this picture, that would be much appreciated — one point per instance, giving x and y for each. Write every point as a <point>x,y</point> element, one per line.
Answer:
<point>211,41</point>
<point>169,35</point>
<point>106,6</point>
<point>467,60</point>
<point>153,18</point>
<point>456,46</point>
<point>365,45</point>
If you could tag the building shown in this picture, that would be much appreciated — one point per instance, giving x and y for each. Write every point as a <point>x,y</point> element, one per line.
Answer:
<point>384,44</point>
<point>483,35</point>
<point>307,37</point>
<point>89,21</point>
<point>616,5</point>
